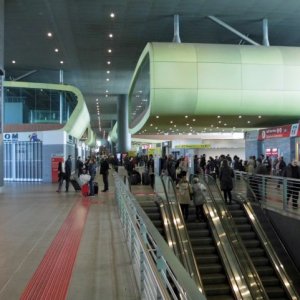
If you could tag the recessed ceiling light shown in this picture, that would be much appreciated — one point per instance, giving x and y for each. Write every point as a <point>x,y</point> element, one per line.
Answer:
<point>55,50</point>
<point>112,15</point>
<point>108,62</point>
<point>186,117</point>
<point>218,117</point>
<point>107,79</point>
<point>97,99</point>
<point>49,34</point>
<point>107,71</point>
<point>13,61</point>
<point>259,117</point>
<point>157,117</point>
<point>106,91</point>
<point>61,61</point>
<point>240,117</point>
<point>111,35</point>
<point>109,50</point>
<point>171,122</point>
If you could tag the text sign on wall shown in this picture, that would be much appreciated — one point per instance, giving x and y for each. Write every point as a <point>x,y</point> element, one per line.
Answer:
<point>279,132</point>
<point>199,146</point>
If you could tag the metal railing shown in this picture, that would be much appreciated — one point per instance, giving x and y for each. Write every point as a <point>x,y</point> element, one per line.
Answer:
<point>274,191</point>
<point>158,271</point>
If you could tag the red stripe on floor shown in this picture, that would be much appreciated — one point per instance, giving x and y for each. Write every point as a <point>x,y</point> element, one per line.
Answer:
<point>52,277</point>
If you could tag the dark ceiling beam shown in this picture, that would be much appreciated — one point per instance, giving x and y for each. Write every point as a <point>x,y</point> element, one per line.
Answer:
<point>236,32</point>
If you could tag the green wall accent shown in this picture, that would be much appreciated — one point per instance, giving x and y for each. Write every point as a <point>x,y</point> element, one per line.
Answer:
<point>211,79</point>
<point>80,117</point>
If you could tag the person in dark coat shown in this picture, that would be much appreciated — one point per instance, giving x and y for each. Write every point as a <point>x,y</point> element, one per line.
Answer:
<point>226,175</point>
<point>92,172</point>
<point>293,187</point>
<point>68,170</point>
<point>104,167</point>
<point>61,176</point>
<point>150,167</point>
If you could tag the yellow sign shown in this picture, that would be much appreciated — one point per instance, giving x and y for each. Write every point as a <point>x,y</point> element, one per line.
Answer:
<point>154,151</point>
<point>131,153</point>
<point>199,146</point>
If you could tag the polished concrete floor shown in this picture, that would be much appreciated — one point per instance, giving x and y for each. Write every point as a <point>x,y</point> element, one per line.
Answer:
<point>31,217</point>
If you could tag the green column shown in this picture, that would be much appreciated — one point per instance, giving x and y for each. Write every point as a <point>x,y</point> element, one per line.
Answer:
<point>124,138</point>
<point>1,88</point>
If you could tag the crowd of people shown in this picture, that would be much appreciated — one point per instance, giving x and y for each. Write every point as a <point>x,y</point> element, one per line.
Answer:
<point>220,167</point>
<point>85,173</point>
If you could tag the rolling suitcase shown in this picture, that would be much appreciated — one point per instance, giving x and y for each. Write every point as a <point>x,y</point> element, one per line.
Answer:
<point>75,185</point>
<point>96,188</point>
<point>145,178</point>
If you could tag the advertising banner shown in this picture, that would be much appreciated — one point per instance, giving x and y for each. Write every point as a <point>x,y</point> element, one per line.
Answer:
<point>284,131</point>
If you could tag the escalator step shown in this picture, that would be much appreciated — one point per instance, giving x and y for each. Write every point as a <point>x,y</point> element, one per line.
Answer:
<point>206,250</point>
<point>214,278</point>
<point>217,289</point>
<point>208,259</point>
<point>248,235</point>
<point>264,271</point>
<point>199,233</point>
<point>252,244</point>
<point>202,241</point>
<point>196,225</point>
<point>241,220</point>
<point>244,227</point>
<point>275,292</point>
<point>270,281</point>
<point>210,268</point>
<point>254,252</point>
<point>260,261</point>
<point>237,213</point>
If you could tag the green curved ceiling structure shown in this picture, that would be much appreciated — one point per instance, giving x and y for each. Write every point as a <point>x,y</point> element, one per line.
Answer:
<point>210,87</point>
<point>79,120</point>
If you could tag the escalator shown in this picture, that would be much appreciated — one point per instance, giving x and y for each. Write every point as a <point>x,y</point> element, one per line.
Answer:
<point>152,209</point>
<point>272,284</point>
<point>214,278</point>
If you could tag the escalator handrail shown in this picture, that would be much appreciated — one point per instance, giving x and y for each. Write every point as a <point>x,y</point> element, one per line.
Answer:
<point>277,265</point>
<point>170,236</point>
<point>187,254</point>
<point>187,286</point>
<point>243,262</point>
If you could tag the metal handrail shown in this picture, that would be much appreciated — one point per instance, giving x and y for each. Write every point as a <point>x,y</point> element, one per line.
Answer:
<point>171,280</point>
<point>186,251</point>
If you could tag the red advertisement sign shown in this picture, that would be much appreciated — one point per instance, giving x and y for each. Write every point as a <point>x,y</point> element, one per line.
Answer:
<point>54,167</point>
<point>278,132</point>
